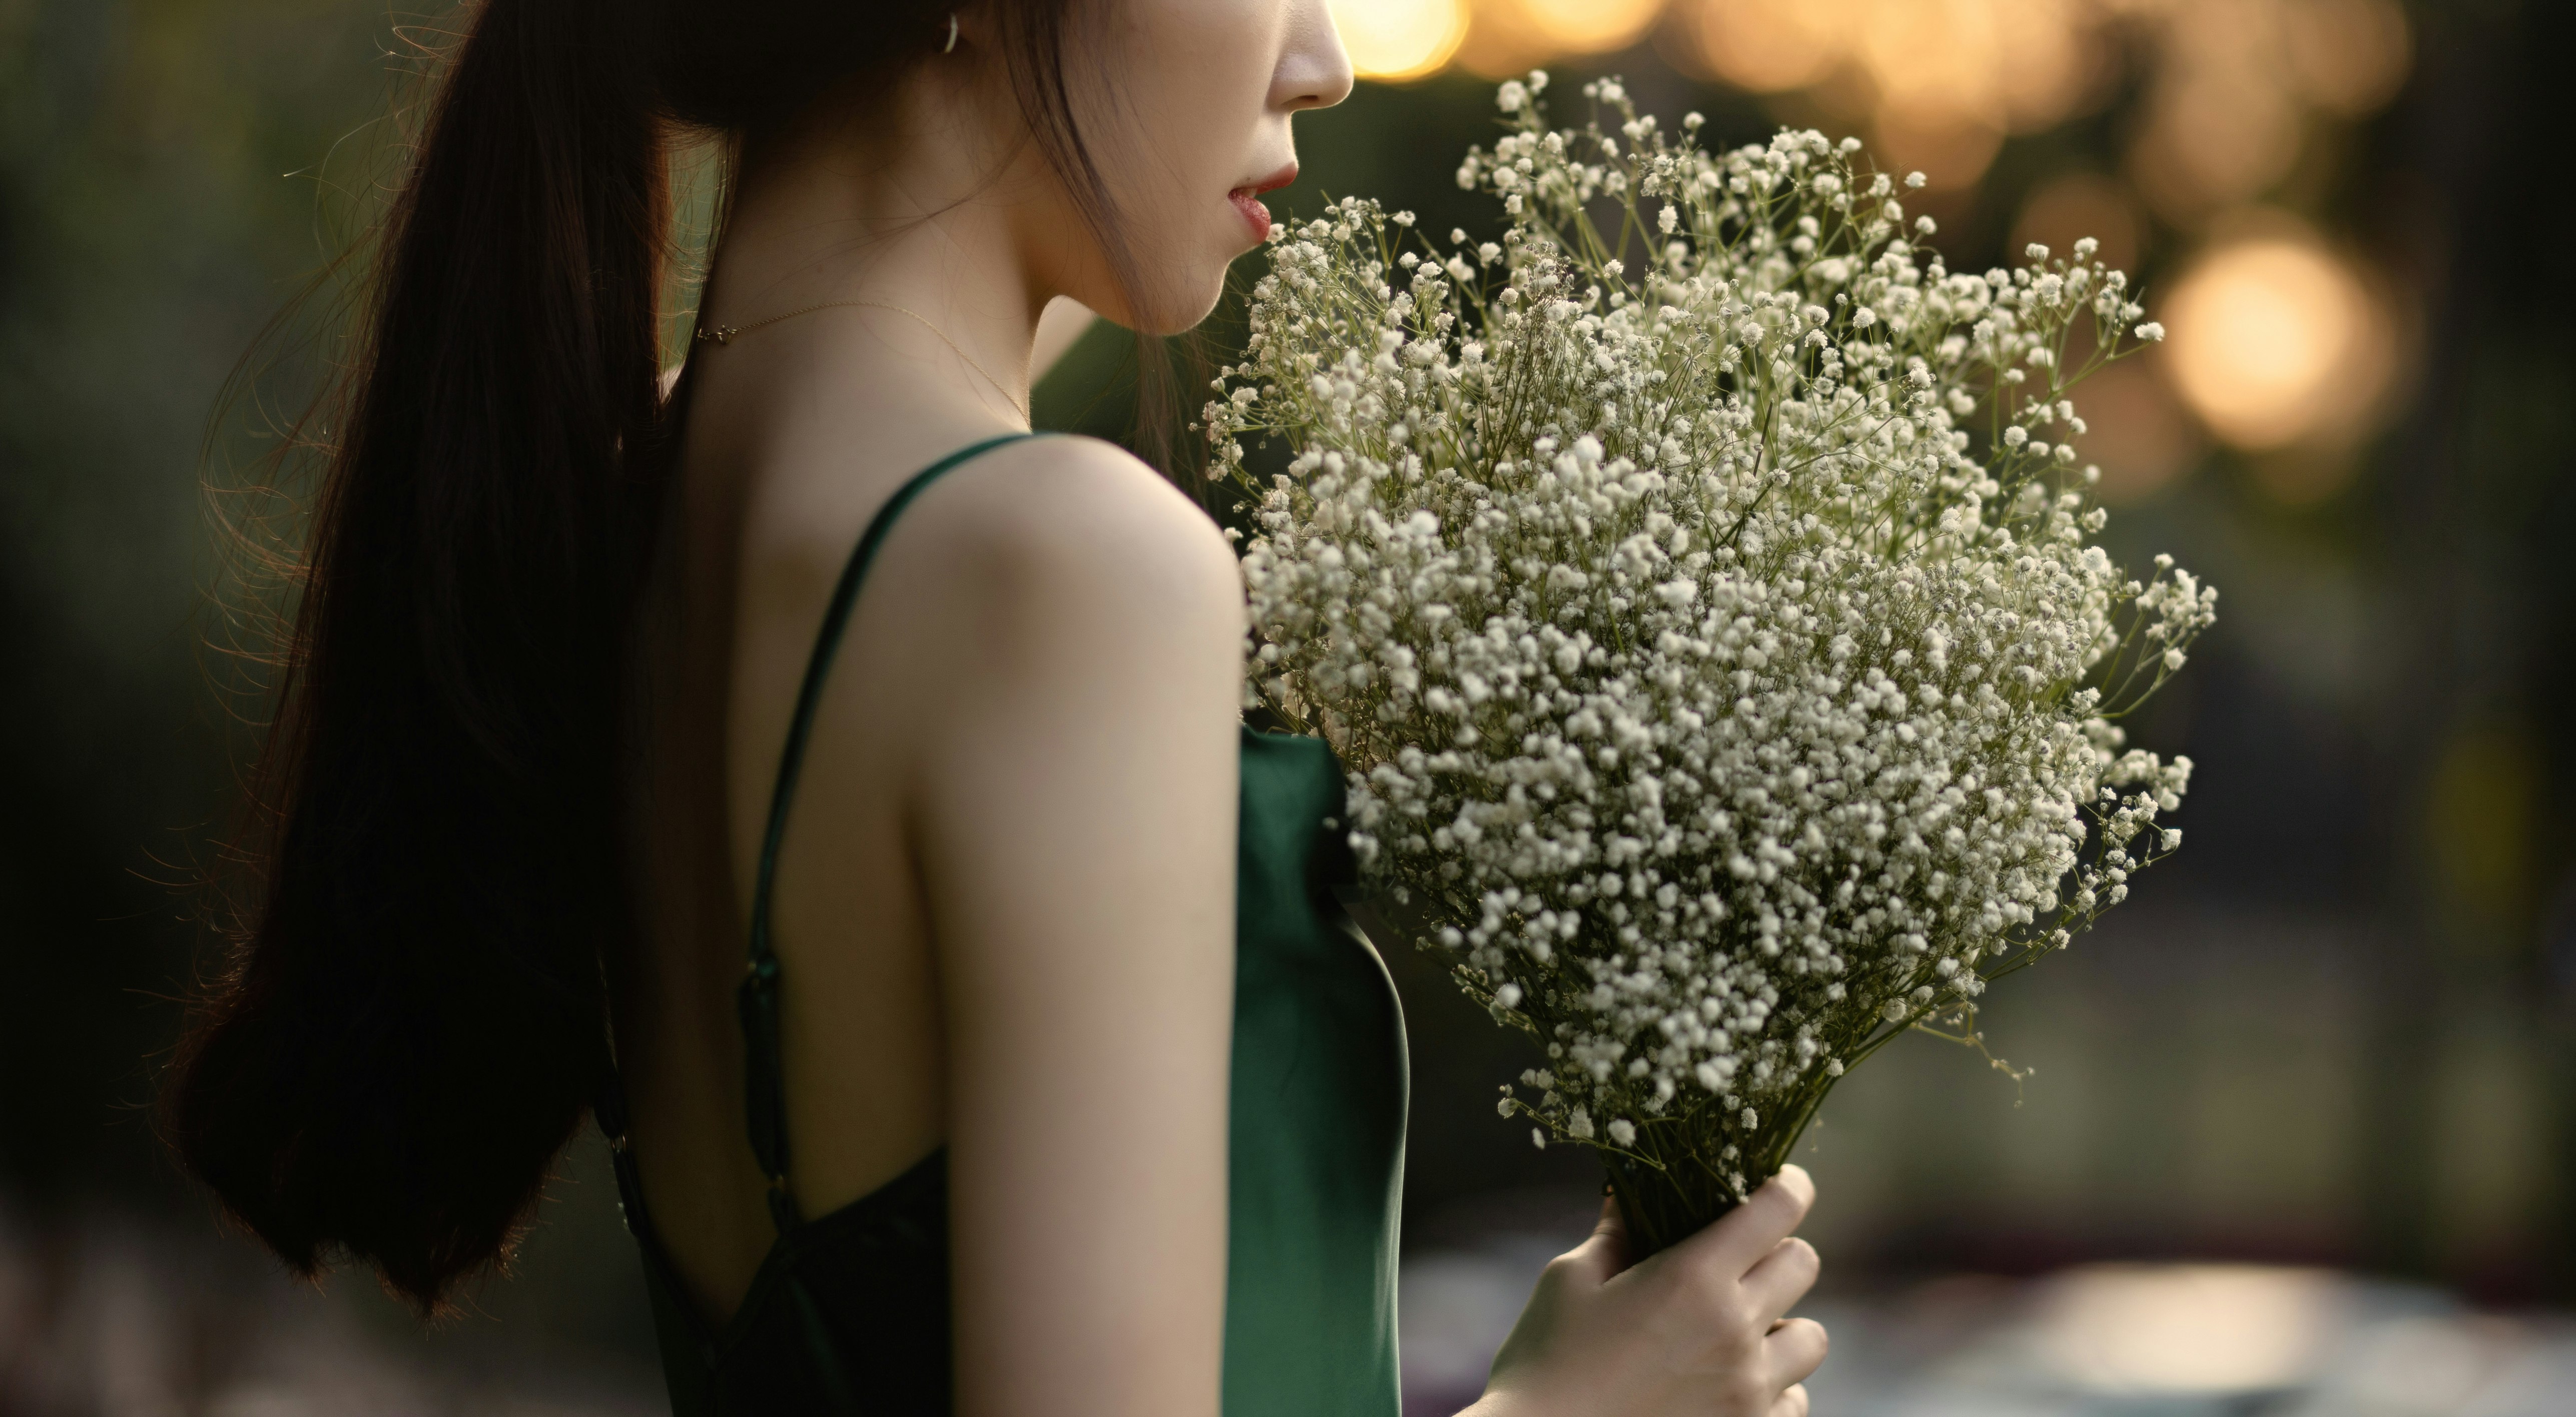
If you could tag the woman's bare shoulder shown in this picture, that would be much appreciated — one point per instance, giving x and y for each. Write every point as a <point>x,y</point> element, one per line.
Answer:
<point>1075,535</point>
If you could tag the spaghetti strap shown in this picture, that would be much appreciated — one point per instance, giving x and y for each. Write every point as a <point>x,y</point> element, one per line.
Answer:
<point>850,1312</point>
<point>765,1093</point>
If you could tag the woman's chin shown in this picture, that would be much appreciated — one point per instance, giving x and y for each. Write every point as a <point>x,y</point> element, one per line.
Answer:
<point>1180,305</point>
<point>1182,285</point>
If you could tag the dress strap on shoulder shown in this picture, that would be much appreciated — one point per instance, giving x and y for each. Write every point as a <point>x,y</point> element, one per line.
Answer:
<point>765,1092</point>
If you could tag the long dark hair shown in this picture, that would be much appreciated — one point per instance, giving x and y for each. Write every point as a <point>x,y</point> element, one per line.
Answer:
<point>411,1017</point>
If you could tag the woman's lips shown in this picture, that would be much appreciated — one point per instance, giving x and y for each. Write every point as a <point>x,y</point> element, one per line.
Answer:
<point>1247,200</point>
<point>1255,215</point>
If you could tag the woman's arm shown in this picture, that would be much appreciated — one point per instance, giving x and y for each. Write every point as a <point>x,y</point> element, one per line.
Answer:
<point>1076,800</point>
<point>1074,804</point>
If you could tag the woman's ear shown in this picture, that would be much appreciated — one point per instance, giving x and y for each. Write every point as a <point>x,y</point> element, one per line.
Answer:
<point>965,27</point>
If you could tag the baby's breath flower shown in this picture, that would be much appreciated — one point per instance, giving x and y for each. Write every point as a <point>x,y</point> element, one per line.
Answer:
<point>1709,615</point>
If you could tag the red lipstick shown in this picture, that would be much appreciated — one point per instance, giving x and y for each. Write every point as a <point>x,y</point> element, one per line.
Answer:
<point>1247,200</point>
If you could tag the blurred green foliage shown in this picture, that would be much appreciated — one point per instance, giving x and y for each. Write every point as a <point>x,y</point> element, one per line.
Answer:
<point>146,235</point>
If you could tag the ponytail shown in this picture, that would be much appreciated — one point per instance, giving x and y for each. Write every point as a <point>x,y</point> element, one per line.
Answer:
<point>411,1019</point>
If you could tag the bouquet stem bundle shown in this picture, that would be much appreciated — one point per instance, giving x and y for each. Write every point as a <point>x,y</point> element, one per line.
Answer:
<point>1700,586</point>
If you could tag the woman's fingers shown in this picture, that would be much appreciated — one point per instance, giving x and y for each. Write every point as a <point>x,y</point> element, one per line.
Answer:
<point>1694,1329</point>
<point>1752,1230</point>
<point>1782,1278</point>
<point>1794,1351</point>
<point>1605,1252</point>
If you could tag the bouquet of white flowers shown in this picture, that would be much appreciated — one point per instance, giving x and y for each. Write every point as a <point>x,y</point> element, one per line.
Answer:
<point>1707,614</point>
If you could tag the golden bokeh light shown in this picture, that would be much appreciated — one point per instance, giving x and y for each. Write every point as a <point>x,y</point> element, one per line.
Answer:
<point>1400,39</point>
<point>1590,26</point>
<point>2273,340</point>
<point>1931,64</point>
<point>2052,61</point>
<point>2077,205</point>
<point>1935,56</point>
<point>1952,147</point>
<point>1767,46</point>
<point>2347,57</point>
<point>2237,81</point>
<point>2279,346</point>
<point>1939,82</point>
<point>2232,86</point>
<point>1502,42</point>
<point>1506,37</point>
<point>2214,137</point>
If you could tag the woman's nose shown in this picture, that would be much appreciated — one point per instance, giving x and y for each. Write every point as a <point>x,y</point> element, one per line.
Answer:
<point>1314,71</point>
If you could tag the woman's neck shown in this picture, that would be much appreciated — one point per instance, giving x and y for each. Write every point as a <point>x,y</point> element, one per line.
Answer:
<point>907,209</point>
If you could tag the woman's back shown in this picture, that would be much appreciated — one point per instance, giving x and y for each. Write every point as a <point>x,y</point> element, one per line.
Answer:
<point>1057,559</point>
<point>1316,1122</point>
<point>1027,736</point>
<point>739,592</point>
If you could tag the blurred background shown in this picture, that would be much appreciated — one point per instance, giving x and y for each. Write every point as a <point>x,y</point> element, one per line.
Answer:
<point>2302,1132</point>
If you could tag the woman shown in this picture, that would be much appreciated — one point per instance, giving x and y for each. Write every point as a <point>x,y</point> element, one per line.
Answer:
<point>1064,1093</point>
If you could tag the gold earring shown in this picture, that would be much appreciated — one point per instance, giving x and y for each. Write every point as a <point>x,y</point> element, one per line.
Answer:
<point>951,46</point>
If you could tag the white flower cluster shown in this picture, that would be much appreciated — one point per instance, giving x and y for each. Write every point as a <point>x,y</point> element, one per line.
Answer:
<point>1707,614</point>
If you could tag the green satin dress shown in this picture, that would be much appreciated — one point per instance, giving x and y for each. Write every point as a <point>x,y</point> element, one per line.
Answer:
<point>849,1312</point>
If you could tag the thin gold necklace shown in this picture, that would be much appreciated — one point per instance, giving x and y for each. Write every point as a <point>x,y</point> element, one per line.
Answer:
<point>727,334</point>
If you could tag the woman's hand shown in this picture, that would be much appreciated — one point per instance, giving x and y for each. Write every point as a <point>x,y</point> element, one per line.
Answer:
<point>1696,1329</point>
